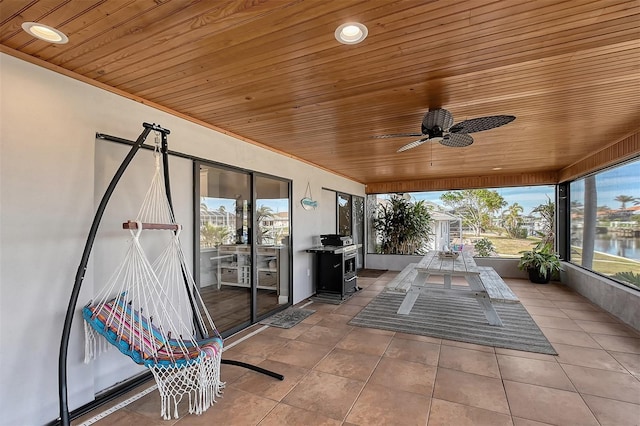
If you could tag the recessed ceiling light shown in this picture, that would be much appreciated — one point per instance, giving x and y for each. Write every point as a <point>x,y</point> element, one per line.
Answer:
<point>45,32</point>
<point>351,33</point>
<point>497,168</point>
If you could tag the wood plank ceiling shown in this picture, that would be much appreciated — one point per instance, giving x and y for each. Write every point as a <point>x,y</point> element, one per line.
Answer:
<point>272,73</point>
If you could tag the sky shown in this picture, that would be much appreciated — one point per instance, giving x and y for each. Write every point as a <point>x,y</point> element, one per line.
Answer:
<point>623,180</point>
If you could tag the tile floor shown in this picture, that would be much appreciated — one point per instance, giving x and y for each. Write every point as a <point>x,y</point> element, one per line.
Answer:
<point>336,374</point>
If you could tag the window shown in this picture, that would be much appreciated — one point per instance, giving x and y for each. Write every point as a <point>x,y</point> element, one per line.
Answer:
<point>605,223</point>
<point>488,222</point>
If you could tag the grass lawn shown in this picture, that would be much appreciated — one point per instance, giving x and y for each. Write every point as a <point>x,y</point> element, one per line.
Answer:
<point>505,246</point>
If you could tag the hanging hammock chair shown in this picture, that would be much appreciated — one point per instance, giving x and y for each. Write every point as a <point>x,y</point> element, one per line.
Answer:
<point>152,312</point>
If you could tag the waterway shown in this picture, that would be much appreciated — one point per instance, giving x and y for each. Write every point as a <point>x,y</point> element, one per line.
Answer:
<point>623,247</point>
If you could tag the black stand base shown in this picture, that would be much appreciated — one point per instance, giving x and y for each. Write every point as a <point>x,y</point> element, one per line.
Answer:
<point>253,367</point>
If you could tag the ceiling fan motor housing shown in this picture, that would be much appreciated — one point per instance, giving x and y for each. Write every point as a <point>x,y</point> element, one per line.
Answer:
<point>436,122</point>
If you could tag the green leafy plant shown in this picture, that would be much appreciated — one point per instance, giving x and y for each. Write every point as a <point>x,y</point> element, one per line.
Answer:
<point>628,277</point>
<point>484,247</point>
<point>541,260</point>
<point>403,227</point>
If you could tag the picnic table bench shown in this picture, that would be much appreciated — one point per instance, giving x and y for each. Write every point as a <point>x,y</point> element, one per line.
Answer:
<point>486,286</point>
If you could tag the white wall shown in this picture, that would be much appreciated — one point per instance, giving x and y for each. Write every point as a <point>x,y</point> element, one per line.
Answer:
<point>49,184</point>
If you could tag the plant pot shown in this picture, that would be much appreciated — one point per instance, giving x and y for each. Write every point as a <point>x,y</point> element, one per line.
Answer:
<point>536,277</point>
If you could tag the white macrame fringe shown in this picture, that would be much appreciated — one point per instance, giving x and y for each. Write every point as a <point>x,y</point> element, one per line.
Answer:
<point>200,382</point>
<point>94,344</point>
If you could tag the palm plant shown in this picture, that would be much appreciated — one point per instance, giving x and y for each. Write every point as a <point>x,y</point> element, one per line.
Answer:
<point>403,227</point>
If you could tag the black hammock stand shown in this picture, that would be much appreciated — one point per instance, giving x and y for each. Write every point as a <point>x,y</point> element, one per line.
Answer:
<point>64,418</point>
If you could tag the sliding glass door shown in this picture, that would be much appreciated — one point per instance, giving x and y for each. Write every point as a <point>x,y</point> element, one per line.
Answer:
<point>243,262</point>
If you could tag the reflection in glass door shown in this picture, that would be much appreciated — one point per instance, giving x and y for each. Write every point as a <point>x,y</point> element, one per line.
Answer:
<point>225,247</point>
<point>272,244</point>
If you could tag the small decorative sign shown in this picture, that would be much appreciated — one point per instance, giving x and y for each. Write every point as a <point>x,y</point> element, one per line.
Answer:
<point>307,202</point>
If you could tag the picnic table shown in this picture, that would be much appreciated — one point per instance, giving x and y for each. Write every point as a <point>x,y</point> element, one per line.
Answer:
<point>462,265</point>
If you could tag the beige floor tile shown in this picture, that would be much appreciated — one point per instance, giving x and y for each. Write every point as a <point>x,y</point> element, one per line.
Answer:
<point>613,413</point>
<point>445,413</point>
<point>226,411</point>
<point>149,406</point>
<point>230,373</point>
<point>525,354</point>
<point>284,414</point>
<point>528,301</point>
<point>555,322</point>
<point>267,386</point>
<point>125,417</point>
<point>546,311</point>
<point>589,316</point>
<point>414,351</point>
<point>329,395</point>
<point>375,331</point>
<point>359,300</point>
<point>320,335</point>
<point>578,306</point>
<point>548,405</point>
<point>348,364</point>
<point>260,345</point>
<point>607,384</point>
<point>534,372</point>
<point>381,405</point>
<point>517,421</point>
<point>300,354</point>
<point>618,343</point>
<point>287,333</point>
<point>529,294</point>
<point>569,337</point>
<point>466,345</point>
<point>587,357</point>
<point>471,389</point>
<point>607,328</point>
<point>365,343</point>
<point>334,320</point>
<point>427,339</point>
<point>629,361</point>
<point>348,310</point>
<point>405,376</point>
<point>469,361</point>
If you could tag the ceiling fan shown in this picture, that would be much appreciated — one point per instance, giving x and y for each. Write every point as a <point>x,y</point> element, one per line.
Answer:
<point>437,125</point>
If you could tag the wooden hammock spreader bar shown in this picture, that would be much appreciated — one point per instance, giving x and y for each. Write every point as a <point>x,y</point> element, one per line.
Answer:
<point>130,224</point>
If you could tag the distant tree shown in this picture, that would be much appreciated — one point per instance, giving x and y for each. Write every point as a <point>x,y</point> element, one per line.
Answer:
<point>474,206</point>
<point>512,220</point>
<point>623,200</point>
<point>212,235</point>
<point>547,213</point>
<point>263,213</point>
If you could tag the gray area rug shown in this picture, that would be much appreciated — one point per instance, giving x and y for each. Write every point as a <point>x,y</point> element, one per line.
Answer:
<point>459,319</point>
<point>287,318</point>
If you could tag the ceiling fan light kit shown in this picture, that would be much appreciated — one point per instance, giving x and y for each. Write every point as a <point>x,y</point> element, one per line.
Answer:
<point>437,126</point>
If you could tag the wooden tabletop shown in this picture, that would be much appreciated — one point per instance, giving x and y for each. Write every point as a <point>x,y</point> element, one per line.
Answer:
<point>434,264</point>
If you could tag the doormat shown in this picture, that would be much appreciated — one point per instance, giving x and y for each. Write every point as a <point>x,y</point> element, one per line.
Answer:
<point>287,318</point>
<point>371,273</point>
<point>456,318</point>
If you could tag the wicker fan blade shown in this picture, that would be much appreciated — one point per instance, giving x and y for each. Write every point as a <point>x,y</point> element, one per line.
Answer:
<point>481,123</point>
<point>413,144</point>
<point>398,135</point>
<point>457,140</point>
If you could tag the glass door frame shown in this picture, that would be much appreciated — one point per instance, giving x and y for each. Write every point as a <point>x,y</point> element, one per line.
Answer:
<point>254,318</point>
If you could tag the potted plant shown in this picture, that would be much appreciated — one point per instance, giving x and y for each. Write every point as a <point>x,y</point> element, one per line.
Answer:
<point>540,263</point>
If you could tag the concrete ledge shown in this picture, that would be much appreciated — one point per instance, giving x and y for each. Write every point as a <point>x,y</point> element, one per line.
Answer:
<point>617,299</point>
